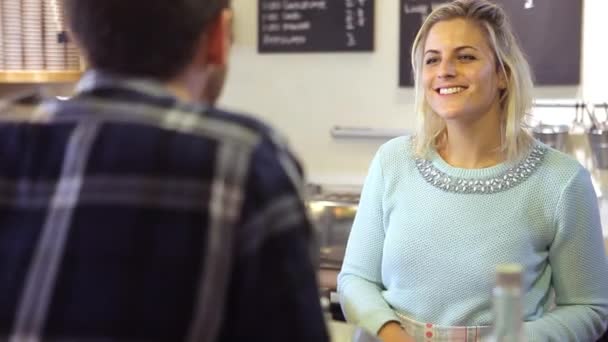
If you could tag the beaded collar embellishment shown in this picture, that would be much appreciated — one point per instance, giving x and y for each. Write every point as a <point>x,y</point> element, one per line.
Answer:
<point>506,180</point>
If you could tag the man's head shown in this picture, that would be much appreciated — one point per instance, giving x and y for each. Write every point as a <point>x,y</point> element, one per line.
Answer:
<point>159,39</point>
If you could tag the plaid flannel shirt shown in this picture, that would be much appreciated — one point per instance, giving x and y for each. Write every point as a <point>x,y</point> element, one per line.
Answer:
<point>127,215</point>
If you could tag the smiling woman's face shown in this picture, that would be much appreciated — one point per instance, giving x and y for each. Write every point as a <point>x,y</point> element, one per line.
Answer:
<point>459,72</point>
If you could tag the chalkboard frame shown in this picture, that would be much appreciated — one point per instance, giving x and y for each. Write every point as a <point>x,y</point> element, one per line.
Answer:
<point>324,31</point>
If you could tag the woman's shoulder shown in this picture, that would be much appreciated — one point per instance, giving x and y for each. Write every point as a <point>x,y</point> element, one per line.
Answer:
<point>396,157</point>
<point>400,147</point>
<point>560,167</point>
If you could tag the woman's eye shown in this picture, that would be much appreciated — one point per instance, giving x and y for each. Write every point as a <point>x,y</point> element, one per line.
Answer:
<point>467,58</point>
<point>431,60</point>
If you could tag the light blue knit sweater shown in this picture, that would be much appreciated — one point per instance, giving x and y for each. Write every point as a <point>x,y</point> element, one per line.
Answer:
<point>431,254</point>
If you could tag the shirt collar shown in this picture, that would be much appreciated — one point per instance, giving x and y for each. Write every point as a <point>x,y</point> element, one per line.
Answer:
<point>95,79</point>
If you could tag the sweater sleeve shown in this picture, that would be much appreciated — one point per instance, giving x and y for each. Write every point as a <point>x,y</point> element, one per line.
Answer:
<point>360,280</point>
<point>579,269</point>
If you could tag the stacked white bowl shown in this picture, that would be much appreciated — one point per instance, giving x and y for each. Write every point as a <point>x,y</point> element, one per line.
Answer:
<point>12,33</point>
<point>73,56</point>
<point>31,25</point>
<point>2,67</point>
<point>55,36</point>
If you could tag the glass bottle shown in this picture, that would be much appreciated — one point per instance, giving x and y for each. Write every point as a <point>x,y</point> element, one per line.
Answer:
<point>507,303</point>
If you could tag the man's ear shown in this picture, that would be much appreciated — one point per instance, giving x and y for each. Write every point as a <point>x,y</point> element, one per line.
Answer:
<point>217,38</point>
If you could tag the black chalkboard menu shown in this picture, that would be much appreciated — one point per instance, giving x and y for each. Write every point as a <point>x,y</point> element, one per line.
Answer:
<point>549,32</point>
<point>315,25</point>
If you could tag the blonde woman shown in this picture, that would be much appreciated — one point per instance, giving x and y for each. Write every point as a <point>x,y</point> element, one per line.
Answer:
<point>470,191</point>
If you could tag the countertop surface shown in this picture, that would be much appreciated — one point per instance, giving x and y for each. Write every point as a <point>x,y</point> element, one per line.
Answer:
<point>344,332</point>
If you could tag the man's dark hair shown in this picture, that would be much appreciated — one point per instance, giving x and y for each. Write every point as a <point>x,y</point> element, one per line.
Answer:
<point>140,38</point>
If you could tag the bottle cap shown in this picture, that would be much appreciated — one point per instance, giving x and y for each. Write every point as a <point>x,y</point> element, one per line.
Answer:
<point>509,274</point>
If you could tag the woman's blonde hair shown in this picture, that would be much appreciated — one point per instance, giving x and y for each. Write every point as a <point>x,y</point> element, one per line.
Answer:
<point>515,100</point>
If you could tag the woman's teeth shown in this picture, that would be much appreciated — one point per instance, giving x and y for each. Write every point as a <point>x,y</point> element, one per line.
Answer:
<point>453,90</point>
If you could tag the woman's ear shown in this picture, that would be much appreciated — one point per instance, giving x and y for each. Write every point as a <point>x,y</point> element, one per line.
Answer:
<point>503,74</point>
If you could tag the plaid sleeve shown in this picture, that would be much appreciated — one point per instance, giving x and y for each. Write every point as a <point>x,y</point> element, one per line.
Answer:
<point>274,293</point>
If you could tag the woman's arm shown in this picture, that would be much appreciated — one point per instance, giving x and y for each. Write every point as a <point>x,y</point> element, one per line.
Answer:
<point>579,269</point>
<point>392,332</point>
<point>360,282</point>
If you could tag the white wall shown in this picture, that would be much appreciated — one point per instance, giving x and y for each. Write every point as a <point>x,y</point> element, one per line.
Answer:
<point>595,51</point>
<point>304,95</point>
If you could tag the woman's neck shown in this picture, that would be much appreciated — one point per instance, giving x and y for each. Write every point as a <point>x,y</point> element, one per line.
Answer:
<point>472,146</point>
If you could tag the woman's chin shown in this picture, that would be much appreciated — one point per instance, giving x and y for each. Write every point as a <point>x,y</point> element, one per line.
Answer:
<point>451,114</point>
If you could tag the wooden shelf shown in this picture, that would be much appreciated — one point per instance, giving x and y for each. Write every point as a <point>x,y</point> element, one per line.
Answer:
<point>43,76</point>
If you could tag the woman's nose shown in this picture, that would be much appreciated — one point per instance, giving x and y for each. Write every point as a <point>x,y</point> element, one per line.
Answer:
<point>446,69</point>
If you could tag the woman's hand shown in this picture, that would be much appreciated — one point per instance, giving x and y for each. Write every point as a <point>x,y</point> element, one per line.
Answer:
<point>392,332</point>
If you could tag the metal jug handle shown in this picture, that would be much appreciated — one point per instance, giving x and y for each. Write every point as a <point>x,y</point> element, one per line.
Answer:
<point>595,124</point>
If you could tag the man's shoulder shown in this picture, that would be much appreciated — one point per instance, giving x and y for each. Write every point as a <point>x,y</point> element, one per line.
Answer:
<point>245,120</point>
<point>269,138</point>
